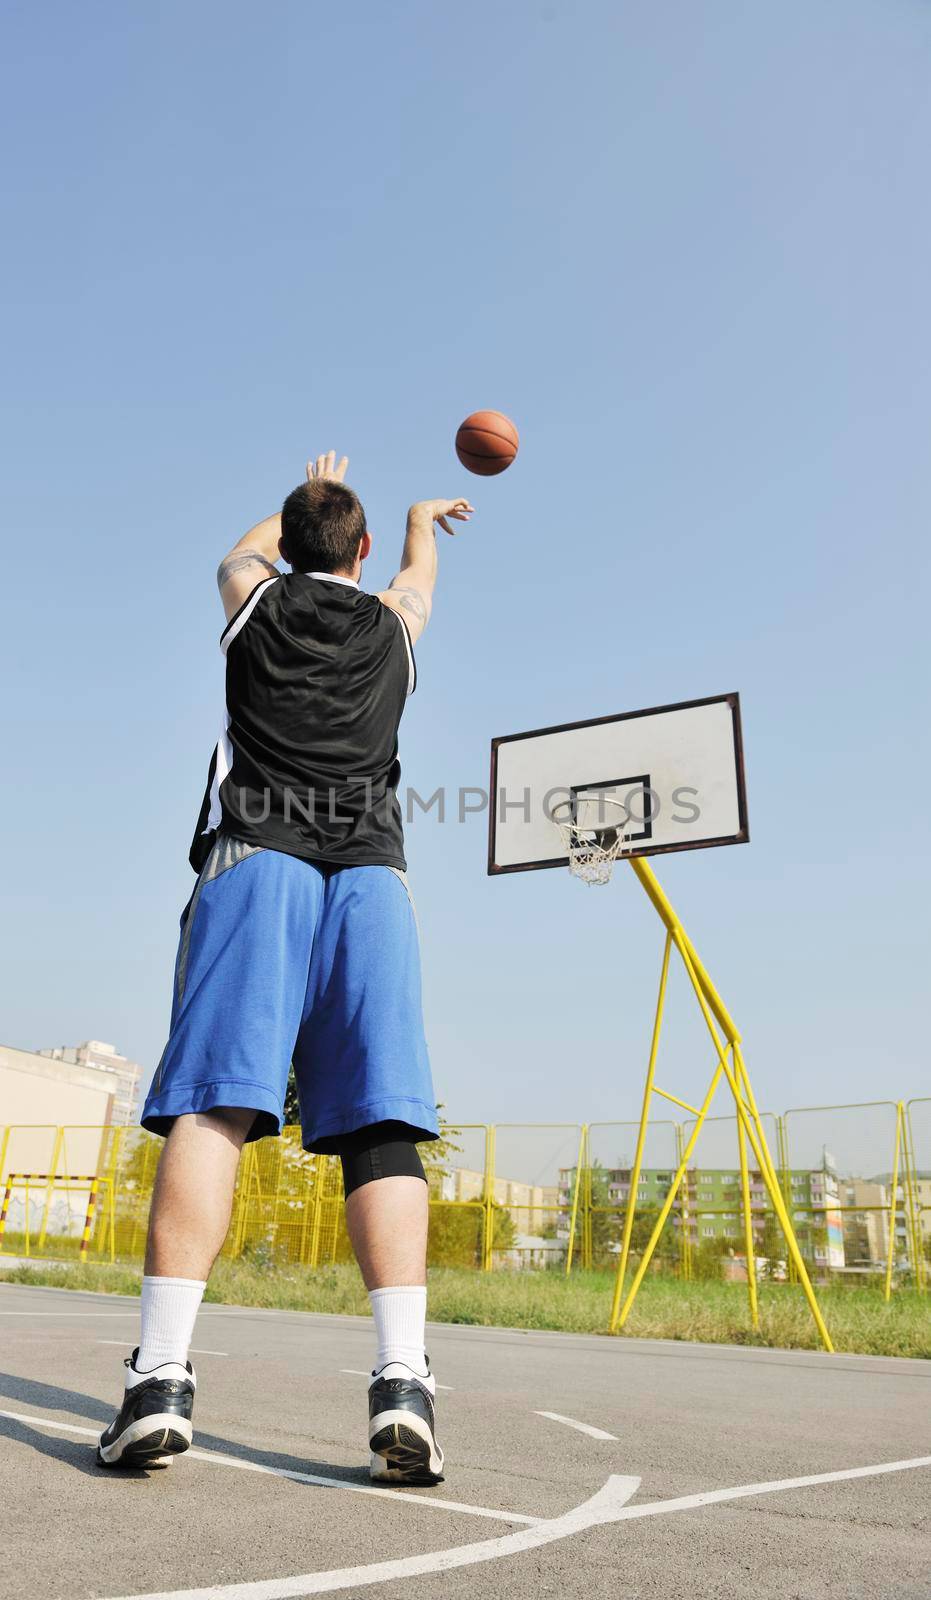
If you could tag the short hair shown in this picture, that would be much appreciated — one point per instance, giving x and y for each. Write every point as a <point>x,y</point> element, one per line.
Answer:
<point>322,524</point>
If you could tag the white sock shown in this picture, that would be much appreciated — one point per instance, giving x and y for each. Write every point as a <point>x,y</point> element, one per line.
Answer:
<point>400,1320</point>
<point>169,1307</point>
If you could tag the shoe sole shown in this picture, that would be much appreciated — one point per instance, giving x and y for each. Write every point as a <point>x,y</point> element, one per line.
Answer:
<point>404,1450</point>
<point>152,1441</point>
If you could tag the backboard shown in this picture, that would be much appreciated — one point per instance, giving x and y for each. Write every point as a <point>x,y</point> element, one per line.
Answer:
<point>678,770</point>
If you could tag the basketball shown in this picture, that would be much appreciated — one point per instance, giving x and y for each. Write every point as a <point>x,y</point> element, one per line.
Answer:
<point>487,442</point>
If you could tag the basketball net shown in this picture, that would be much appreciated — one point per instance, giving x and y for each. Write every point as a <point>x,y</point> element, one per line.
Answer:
<point>592,837</point>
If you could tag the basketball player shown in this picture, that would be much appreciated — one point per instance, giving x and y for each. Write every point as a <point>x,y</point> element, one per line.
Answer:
<point>300,943</point>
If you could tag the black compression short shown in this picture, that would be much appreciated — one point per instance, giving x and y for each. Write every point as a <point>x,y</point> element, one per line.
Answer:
<point>382,1150</point>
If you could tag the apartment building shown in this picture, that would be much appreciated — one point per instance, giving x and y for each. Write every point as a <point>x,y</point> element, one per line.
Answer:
<point>533,1206</point>
<point>709,1205</point>
<point>124,1075</point>
<point>866,1231</point>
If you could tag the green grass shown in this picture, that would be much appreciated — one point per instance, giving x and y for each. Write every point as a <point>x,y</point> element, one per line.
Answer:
<point>859,1320</point>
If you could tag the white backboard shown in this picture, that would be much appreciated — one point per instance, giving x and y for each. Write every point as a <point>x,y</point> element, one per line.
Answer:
<point>677,769</point>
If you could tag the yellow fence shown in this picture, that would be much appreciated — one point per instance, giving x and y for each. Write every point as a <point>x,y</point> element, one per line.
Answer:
<point>517,1195</point>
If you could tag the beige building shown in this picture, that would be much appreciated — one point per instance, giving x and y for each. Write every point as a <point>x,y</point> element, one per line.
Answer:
<point>532,1205</point>
<point>866,1232</point>
<point>105,1058</point>
<point>921,1192</point>
<point>38,1097</point>
<point>923,1201</point>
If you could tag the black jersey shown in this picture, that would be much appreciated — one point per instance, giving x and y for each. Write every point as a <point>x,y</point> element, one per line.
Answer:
<point>317,674</point>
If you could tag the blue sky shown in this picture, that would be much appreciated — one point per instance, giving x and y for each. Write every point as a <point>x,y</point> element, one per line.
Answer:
<point>686,247</point>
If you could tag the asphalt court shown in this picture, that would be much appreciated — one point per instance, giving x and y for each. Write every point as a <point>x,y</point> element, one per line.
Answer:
<point>576,1466</point>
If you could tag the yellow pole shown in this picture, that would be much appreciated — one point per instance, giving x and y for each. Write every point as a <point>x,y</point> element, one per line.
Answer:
<point>649,881</point>
<point>573,1214</point>
<point>488,1220</point>
<point>277,1180</point>
<point>782,1145</point>
<point>113,1167</point>
<point>759,1147</point>
<point>111,1205</point>
<point>49,1187</point>
<point>913,1212</point>
<point>771,1180</point>
<point>89,1219</point>
<point>586,1207</point>
<point>320,1170</point>
<point>310,1171</point>
<point>645,1259</point>
<point>909,1133</point>
<point>890,1252</point>
<point>641,1135</point>
<point>713,1008</point>
<point>685,1243</point>
<point>143,1193</point>
<point>749,1241</point>
<point>6,1206</point>
<point>682,1104</point>
<point>247,1174</point>
<point>587,1203</point>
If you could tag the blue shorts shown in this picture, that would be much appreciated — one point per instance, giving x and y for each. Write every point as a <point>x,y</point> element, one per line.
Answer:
<point>281,960</point>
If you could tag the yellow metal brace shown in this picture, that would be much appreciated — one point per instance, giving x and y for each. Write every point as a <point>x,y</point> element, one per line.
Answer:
<point>580,1167</point>
<point>730,1065</point>
<point>488,1198</point>
<point>890,1253</point>
<point>912,1207</point>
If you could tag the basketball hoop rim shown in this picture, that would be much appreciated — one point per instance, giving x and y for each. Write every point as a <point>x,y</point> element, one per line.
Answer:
<point>569,824</point>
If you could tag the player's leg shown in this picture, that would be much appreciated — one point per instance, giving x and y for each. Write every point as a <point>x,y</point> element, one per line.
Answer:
<point>240,983</point>
<point>188,1221</point>
<point>366,1092</point>
<point>386,1217</point>
<point>193,1194</point>
<point>388,1228</point>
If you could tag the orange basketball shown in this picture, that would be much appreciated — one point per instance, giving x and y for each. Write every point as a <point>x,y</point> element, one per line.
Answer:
<point>487,442</point>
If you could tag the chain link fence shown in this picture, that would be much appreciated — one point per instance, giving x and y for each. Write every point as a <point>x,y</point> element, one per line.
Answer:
<point>522,1196</point>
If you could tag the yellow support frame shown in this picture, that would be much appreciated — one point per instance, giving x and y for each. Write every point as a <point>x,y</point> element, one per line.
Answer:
<point>912,1205</point>
<point>902,1176</point>
<point>730,1065</point>
<point>893,1206</point>
<point>581,1167</point>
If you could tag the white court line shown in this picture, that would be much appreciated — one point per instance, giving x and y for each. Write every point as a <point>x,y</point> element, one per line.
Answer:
<point>194,1350</point>
<point>217,1459</point>
<point>607,1506</point>
<point>356,1372</point>
<point>583,1427</point>
<point>602,1507</point>
<point>133,1313</point>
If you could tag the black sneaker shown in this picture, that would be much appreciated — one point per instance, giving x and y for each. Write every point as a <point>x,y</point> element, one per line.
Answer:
<point>402,1427</point>
<point>154,1422</point>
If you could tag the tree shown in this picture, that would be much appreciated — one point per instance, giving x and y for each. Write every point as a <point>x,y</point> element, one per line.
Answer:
<point>607,1221</point>
<point>771,1246</point>
<point>292,1110</point>
<point>707,1257</point>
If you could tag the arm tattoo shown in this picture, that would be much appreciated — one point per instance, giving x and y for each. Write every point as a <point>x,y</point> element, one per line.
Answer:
<point>233,564</point>
<point>413,601</point>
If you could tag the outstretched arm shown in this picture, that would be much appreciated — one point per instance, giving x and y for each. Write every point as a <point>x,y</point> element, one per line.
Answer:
<point>249,563</point>
<point>411,592</point>
<point>253,559</point>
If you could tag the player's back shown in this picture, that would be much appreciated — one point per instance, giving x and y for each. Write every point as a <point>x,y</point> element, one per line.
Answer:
<point>317,674</point>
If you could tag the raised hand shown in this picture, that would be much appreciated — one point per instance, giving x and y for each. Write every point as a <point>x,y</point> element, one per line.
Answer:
<point>325,468</point>
<point>439,510</point>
